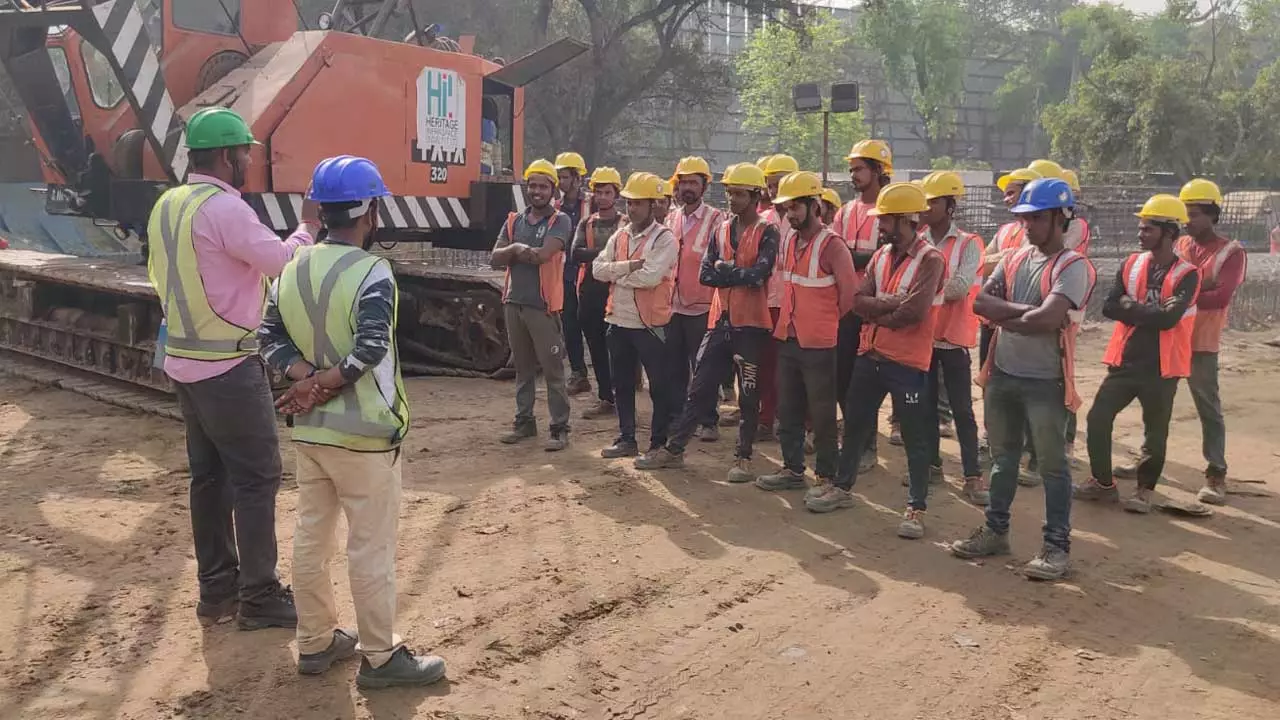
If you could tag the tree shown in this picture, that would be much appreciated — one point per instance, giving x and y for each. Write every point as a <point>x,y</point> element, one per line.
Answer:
<point>776,58</point>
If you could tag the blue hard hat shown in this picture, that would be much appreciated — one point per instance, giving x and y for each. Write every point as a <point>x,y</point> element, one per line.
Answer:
<point>346,179</point>
<point>1044,194</point>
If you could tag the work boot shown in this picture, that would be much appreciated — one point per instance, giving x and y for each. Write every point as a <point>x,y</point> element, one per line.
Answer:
<point>601,409</point>
<point>520,431</point>
<point>340,648</point>
<point>1214,492</point>
<point>403,669</point>
<point>273,610</point>
<point>709,433</point>
<point>982,542</point>
<point>730,418</point>
<point>1094,490</point>
<point>741,471</point>
<point>558,441</point>
<point>829,498</point>
<point>620,449</point>
<point>895,434</point>
<point>1125,472</point>
<point>912,525</point>
<point>578,384</point>
<point>867,461</point>
<point>1029,476</point>
<point>975,491</point>
<point>659,458</point>
<point>216,613</point>
<point>1051,563</point>
<point>946,429</point>
<point>1139,502</point>
<point>784,479</point>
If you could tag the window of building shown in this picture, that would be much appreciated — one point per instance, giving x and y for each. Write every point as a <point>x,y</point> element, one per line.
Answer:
<point>62,69</point>
<point>210,16</point>
<point>103,83</point>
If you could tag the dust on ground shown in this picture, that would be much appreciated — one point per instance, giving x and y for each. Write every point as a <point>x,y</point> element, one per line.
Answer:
<point>566,586</point>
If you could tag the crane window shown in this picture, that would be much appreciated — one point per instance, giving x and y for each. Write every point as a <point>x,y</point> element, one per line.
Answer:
<point>103,83</point>
<point>210,16</point>
<point>62,69</point>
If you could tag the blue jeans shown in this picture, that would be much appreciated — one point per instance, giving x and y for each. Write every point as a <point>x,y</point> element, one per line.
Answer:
<point>1013,404</point>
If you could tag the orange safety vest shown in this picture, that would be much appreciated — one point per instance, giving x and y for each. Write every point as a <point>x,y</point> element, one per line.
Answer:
<point>550,273</point>
<point>747,306</point>
<point>774,284</point>
<point>911,346</point>
<point>1175,343</point>
<point>591,244</point>
<point>1086,234</point>
<point>689,287</point>
<point>1207,335</point>
<point>957,324</point>
<point>860,231</point>
<point>1011,236</point>
<point>810,297</point>
<point>653,304</point>
<point>1066,336</point>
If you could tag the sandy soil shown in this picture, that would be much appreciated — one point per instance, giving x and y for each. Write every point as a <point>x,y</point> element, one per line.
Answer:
<point>565,586</point>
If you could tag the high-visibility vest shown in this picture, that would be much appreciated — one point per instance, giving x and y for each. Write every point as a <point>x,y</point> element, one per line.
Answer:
<point>1066,336</point>
<point>689,287</point>
<point>653,304</point>
<point>1175,343</point>
<point>957,324</point>
<point>1011,236</point>
<point>857,227</point>
<point>318,296</point>
<point>550,273</point>
<point>194,330</point>
<point>774,284</point>
<point>1081,226</point>
<point>810,297</point>
<point>911,346</point>
<point>747,306</point>
<point>1207,335</point>
<point>590,233</point>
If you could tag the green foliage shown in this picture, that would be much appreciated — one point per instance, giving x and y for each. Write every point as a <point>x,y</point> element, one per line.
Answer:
<point>778,57</point>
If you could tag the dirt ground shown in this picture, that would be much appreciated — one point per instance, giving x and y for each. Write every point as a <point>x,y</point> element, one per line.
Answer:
<point>566,586</point>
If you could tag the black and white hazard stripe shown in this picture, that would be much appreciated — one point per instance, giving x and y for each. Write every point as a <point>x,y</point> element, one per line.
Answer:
<point>134,55</point>
<point>281,211</point>
<point>517,196</point>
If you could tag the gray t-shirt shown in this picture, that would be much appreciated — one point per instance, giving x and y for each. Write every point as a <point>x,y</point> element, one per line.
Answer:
<point>526,282</point>
<point>1037,356</point>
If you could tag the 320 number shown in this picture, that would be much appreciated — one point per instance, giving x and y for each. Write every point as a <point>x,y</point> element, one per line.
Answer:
<point>439,173</point>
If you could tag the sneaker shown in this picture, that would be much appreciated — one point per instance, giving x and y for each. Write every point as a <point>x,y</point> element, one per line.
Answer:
<point>404,668</point>
<point>831,499</point>
<point>808,443</point>
<point>975,491</point>
<point>558,441</point>
<point>519,431</point>
<point>983,542</point>
<point>984,450</point>
<point>1214,492</point>
<point>1096,491</point>
<point>709,433</point>
<point>867,461</point>
<point>216,613</point>
<point>1051,563</point>
<point>340,648</point>
<point>895,435</point>
<point>784,479</point>
<point>659,458</point>
<point>1125,472</point>
<point>1139,502</point>
<point>946,430</point>
<point>620,449</point>
<point>1029,477</point>
<point>578,384</point>
<point>741,471</point>
<point>273,610</point>
<point>912,525</point>
<point>602,409</point>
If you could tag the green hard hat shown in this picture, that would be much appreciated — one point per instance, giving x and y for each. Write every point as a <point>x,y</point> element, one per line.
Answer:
<point>218,127</point>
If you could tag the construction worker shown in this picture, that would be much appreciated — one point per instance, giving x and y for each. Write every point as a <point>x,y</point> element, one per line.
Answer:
<point>209,258</point>
<point>956,330</point>
<point>817,290</point>
<point>571,172</point>
<point>1222,264</point>
<point>330,327</point>
<point>775,167</point>
<point>1081,232</point>
<point>870,164</point>
<point>693,224</point>
<point>639,262</point>
<point>830,205</point>
<point>664,203</point>
<point>531,247</point>
<point>1030,373</point>
<point>898,301</point>
<point>1153,304</point>
<point>593,232</point>
<point>737,264</point>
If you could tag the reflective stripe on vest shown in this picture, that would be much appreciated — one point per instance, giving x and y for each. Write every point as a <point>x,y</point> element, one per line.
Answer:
<point>911,346</point>
<point>689,288</point>
<point>652,304</point>
<point>860,231</point>
<point>194,330</point>
<point>320,319</point>
<point>957,324</point>
<point>1175,343</point>
<point>1011,236</point>
<point>747,306</point>
<point>550,273</point>
<point>810,297</point>
<point>1207,334</point>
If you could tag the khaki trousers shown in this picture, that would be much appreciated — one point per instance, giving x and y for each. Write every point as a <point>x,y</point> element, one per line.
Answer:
<point>366,487</point>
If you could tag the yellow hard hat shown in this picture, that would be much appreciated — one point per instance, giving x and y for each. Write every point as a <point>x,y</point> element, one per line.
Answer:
<point>605,176</point>
<point>780,164</point>
<point>571,161</point>
<point>1072,179</point>
<point>1163,208</point>
<point>943,183</point>
<point>1047,168</point>
<point>693,165</point>
<point>542,167</point>
<point>831,196</point>
<point>668,188</point>
<point>877,150</point>
<point>1200,191</point>
<point>643,186</point>
<point>900,199</point>
<point>744,175</point>
<point>1021,175</point>
<point>763,161</point>
<point>798,185</point>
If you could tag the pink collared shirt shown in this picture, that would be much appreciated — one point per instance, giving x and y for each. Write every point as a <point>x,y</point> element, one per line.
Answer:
<point>234,250</point>
<point>691,219</point>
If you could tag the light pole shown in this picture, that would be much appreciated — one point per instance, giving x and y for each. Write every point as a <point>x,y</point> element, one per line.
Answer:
<point>807,98</point>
